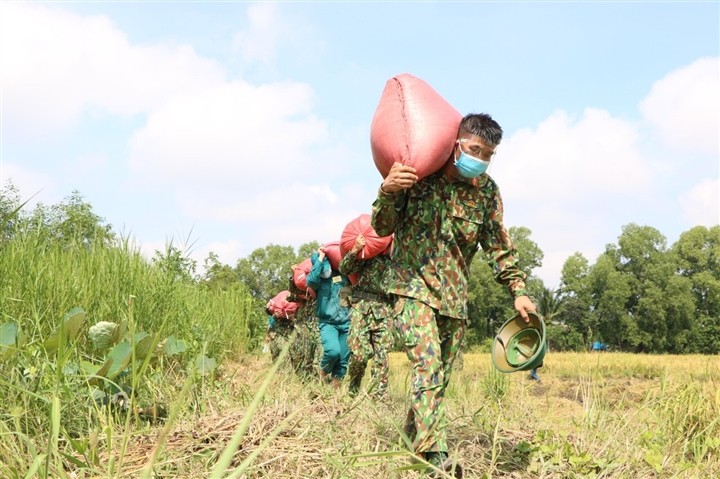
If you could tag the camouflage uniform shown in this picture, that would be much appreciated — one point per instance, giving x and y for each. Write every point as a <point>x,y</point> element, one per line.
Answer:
<point>305,350</point>
<point>371,310</point>
<point>438,224</point>
<point>279,331</point>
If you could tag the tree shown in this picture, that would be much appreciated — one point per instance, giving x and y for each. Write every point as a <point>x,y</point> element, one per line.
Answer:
<point>9,210</point>
<point>176,264</point>
<point>72,222</point>
<point>611,291</point>
<point>697,260</point>
<point>530,255</point>
<point>217,275</point>
<point>575,295</point>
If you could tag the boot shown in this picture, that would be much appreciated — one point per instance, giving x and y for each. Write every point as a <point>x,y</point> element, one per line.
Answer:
<point>441,461</point>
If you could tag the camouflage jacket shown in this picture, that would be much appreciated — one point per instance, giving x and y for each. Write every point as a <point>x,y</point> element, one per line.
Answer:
<point>439,223</point>
<point>371,277</point>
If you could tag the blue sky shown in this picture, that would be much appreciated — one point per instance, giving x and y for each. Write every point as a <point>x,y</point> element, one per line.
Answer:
<point>239,124</point>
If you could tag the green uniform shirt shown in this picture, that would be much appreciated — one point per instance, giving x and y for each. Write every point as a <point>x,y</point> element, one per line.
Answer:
<point>439,223</point>
<point>371,279</point>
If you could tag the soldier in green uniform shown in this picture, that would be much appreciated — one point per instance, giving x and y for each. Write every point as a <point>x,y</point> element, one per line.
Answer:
<point>370,311</point>
<point>439,222</point>
<point>305,350</point>
<point>278,333</point>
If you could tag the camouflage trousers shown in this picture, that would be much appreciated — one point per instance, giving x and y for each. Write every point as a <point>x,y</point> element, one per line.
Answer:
<point>369,338</point>
<point>305,351</point>
<point>279,335</point>
<point>431,342</point>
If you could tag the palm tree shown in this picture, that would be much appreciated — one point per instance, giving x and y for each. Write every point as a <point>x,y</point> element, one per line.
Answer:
<point>549,304</point>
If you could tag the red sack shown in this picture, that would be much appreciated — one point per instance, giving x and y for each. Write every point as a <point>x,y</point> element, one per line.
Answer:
<point>332,251</point>
<point>374,244</point>
<point>300,272</point>
<point>281,308</point>
<point>412,125</point>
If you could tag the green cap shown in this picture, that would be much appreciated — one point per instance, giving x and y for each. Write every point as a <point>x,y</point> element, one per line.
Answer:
<point>519,346</point>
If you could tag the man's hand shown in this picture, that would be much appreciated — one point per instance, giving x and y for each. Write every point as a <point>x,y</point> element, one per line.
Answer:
<point>321,254</point>
<point>400,177</point>
<point>523,305</point>
<point>359,244</point>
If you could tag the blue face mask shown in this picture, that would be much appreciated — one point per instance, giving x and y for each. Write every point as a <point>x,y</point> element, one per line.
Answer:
<point>469,166</point>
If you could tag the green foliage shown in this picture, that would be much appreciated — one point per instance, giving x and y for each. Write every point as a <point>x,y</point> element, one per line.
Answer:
<point>564,338</point>
<point>72,222</point>
<point>175,263</point>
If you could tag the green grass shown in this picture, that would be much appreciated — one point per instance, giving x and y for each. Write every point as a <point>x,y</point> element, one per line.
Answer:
<point>606,415</point>
<point>49,297</point>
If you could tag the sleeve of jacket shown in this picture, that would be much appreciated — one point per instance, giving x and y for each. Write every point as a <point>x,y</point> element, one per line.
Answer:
<point>385,211</point>
<point>313,277</point>
<point>350,264</point>
<point>501,252</point>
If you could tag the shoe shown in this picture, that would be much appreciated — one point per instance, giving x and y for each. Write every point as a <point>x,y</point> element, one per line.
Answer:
<point>441,461</point>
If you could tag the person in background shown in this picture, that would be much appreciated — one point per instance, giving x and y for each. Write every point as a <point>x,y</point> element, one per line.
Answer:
<point>307,340</point>
<point>333,317</point>
<point>305,350</point>
<point>278,333</point>
<point>439,223</point>
<point>369,314</point>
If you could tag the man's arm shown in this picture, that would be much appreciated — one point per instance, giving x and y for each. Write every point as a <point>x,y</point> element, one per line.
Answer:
<point>313,277</point>
<point>496,242</point>
<point>351,263</point>
<point>390,196</point>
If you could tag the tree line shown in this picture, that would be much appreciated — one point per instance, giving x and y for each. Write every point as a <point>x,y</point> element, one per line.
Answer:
<point>639,295</point>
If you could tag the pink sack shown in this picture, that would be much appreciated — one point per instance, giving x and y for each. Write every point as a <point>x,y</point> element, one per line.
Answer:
<point>412,125</point>
<point>281,308</point>
<point>300,272</point>
<point>374,244</point>
<point>332,251</point>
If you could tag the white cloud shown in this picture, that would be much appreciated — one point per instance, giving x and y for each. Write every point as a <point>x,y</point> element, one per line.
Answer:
<point>701,204</point>
<point>566,158</point>
<point>58,65</point>
<point>229,134</point>
<point>684,106</point>
<point>259,42</point>
<point>569,180</point>
<point>271,31</point>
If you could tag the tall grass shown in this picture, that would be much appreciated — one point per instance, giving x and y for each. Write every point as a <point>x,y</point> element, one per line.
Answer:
<point>51,415</point>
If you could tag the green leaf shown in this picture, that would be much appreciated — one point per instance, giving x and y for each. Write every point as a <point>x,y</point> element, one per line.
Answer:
<point>174,346</point>
<point>119,358</point>
<point>68,330</point>
<point>97,371</point>
<point>120,331</point>
<point>655,459</point>
<point>37,462</point>
<point>204,365</point>
<point>8,340</point>
<point>144,344</point>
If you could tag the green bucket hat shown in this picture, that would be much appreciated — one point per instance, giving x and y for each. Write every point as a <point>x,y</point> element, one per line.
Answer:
<point>519,346</point>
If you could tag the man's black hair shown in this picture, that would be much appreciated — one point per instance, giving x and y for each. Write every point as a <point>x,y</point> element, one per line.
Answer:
<point>482,125</point>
